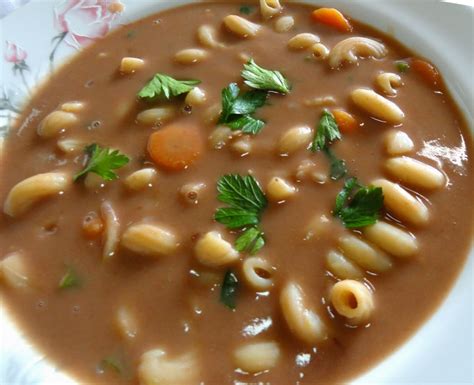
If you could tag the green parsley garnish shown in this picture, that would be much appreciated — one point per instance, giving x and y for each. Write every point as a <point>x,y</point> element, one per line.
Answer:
<point>327,132</point>
<point>167,87</point>
<point>237,109</point>
<point>402,66</point>
<point>246,9</point>
<point>229,288</point>
<point>247,202</point>
<point>263,79</point>
<point>70,280</point>
<point>102,161</point>
<point>112,363</point>
<point>337,166</point>
<point>361,208</point>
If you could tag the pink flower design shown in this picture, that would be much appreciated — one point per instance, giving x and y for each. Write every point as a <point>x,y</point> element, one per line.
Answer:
<point>14,54</point>
<point>82,21</point>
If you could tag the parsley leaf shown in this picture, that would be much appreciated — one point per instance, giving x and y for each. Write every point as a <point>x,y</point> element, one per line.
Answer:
<point>237,109</point>
<point>241,192</point>
<point>229,288</point>
<point>327,132</point>
<point>69,280</point>
<point>402,66</point>
<point>112,363</point>
<point>102,161</point>
<point>262,79</point>
<point>166,86</point>
<point>337,166</point>
<point>235,218</point>
<point>251,240</point>
<point>246,9</point>
<point>363,208</point>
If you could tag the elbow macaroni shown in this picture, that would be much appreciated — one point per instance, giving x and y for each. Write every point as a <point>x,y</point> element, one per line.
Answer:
<point>241,27</point>
<point>270,8</point>
<point>213,251</point>
<point>279,189</point>
<point>349,49</point>
<point>387,82</point>
<point>303,41</point>
<point>352,300</point>
<point>258,273</point>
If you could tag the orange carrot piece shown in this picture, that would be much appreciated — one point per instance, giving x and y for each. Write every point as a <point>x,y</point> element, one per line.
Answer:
<point>427,71</point>
<point>175,147</point>
<point>346,122</point>
<point>92,225</point>
<point>333,18</point>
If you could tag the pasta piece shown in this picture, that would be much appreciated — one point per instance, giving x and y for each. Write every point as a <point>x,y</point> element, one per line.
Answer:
<point>402,204</point>
<point>279,189</point>
<point>157,368</point>
<point>364,254</point>
<point>126,323</point>
<point>73,107</point>
<point>341,267</point>
<point>320,101</point>
<point>258,273</point>
<point>270,8</point>
<point>242,146</point>
<point>320,51</point>
<point>13,271</point>
<point>220,137</point>
<point>141,179</point>
<point>112,230</point>
<point>377,106</point>
<point>70,145</point>
<point>392,239</point>
<point>156,116</point>
<point>33,189</point>
<point>349,49</point>
<point>241,27</point>
<point>130,65</point>
<point>149,240</point>
<point>207,37</point>
<point>191,192</point>
<point>191,56</point>
<point>195,97</point>
<point>302,321</point>
<point>256,357</point>
<point>415,173</point>
<point>284,24</point>
<point>56,123</point>
<point>213,251</point>
<point>387,82</point>
<point>398,143</point>
<point>353,300</point>
<point>294,139</point>
<point>303,41</point>
<point>212,113</point>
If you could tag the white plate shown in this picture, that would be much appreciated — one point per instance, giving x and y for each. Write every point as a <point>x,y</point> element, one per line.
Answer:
<point>441,351</point>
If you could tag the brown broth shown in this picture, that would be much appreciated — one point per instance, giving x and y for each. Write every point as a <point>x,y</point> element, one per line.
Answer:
<point>75,329</point>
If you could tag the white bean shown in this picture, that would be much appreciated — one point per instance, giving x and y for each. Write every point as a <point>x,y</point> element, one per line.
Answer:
<point>398,143</point>
<point>207,37</point>
<point>56,123</point>
<point>256,357</point>
<point>365,255</point>
<point>70,145</point>
<point>415,173</point>
<point>74,107</point>
<point>130,65</point>
<point>220,137</point>
<point>402,204</point>
<point>294,139</point>
<point>320,101</point>
<point>279,189</point>
<point>242,146</point>
<point>213,251</point>
<point>195,97</point>
<point>341,267</point>
<point>13,270</point>
<point>377,106</point>
<point>141,179</point>
<point>111,235</point>
<point>149,240</point>
<point>392,239</point>
<point>33,189</point>
<point>191,56</point>
<point>241,27</point>
<point>284,24</point>
<point>156,116</point>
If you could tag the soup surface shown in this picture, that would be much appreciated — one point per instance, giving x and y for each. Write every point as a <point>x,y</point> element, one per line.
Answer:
<point>99,272</point>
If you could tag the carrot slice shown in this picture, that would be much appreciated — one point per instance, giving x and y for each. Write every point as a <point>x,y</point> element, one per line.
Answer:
<point>333,18</point>
<point>346,122</point>
<point>175,147</point>
<point>427,71</point>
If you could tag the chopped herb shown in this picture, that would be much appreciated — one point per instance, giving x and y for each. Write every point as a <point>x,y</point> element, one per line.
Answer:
<point>102,161</point>
<point>237,109</point>
<point>247,202</point>
<point>360,209</point>
<point>70,280</point>
<point>402,66</point>
<point>167,87</point>
<point>131,34</point>
<point>229,288</point>
<point>327,132</point>
<point>246,9</point>
<point>262,79</point>
<point>112,363</point>
<point>251,241</point>
<point>337,166</point>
